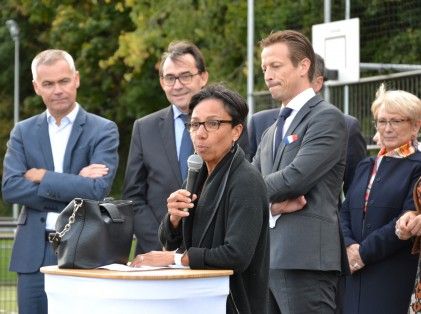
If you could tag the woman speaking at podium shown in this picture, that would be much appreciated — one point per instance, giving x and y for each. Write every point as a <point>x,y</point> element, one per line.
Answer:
<point>223,224</point>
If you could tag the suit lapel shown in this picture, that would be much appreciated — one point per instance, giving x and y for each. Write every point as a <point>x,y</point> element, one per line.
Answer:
<point>166,127</point>
<point>301,114</point>
<point>44,141</point>
<point>268,122</point>
<point>266,150</point>
<point>74,136</point>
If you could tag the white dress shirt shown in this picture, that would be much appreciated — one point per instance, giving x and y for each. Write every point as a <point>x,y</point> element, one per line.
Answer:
<point>178,128</point>
<point>295,104</point>
<point>59,136</point>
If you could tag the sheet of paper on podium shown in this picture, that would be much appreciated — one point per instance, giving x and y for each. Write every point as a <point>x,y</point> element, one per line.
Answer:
<point>121,267</point>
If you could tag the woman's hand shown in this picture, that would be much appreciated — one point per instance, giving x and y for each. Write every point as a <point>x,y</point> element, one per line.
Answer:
<point>178,204</point>
<point>414,226</point>
<point>154,258</point>
<point>407,225</point>
<point>354,258</point>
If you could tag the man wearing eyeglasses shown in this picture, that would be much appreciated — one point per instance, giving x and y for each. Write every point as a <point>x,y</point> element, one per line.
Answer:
<point>160,145</point>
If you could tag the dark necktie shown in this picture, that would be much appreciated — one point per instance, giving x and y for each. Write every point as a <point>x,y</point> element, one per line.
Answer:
<point>186,149</point>
<point>283,115</point>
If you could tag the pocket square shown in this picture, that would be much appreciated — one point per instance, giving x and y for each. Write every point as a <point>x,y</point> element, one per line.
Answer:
<point>291,139</point>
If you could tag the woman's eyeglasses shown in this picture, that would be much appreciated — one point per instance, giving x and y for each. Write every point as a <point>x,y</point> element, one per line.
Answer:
<point>210,125</point>
<point>394,123</point>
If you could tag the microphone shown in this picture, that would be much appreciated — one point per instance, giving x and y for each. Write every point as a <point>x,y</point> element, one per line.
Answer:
<point>194,163</point>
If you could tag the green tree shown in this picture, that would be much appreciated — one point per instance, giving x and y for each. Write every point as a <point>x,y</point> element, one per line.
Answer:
<point>117,46</point>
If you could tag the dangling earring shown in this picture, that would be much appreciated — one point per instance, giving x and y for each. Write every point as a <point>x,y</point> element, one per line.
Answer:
<point>233,145</point>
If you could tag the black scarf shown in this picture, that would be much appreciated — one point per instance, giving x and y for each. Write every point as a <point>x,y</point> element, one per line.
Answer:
<point>198,227</point>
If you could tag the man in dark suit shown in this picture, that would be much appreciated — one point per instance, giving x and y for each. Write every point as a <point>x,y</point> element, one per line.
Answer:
<point>51,158</point>
<point>356,148</point>
<point>153,170</point>
<point>301,156</point>
<point>156,165</point>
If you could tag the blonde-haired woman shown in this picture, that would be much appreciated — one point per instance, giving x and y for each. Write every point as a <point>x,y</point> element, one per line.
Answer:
<point>382,266</point>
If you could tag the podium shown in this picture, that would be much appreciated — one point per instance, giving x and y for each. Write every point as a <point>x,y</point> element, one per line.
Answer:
<point>150,292</point>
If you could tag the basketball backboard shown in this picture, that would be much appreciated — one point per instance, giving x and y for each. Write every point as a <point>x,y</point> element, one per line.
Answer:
<point>339,44</point>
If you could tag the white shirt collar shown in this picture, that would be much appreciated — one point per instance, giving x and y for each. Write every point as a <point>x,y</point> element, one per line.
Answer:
<point>176,111</point>
<point>298,101</point>
<point>71,116</point>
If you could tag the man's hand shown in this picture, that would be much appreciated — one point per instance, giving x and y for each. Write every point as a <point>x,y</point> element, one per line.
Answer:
<point>35,175</point>
<point>94,171</point>
<point>288,206</point>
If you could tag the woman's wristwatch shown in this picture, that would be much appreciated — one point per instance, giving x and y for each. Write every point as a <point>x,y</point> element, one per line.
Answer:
<point>178,255</point>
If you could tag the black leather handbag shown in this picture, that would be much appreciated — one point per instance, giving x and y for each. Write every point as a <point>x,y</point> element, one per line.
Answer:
<point>91,234</point>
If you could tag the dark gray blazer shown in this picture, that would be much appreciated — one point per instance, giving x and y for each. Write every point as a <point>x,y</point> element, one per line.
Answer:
<point>312,166</point>
<point>152,174</point>
<point>228,229</point>
<point>356,148</point>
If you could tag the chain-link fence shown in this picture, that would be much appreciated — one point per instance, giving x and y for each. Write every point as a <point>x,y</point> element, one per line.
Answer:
<point>7,279</point>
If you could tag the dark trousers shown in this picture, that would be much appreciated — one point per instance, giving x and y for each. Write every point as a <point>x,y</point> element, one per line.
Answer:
<point>302,291</point>
<point>32,298</point>
<point>340,294</point>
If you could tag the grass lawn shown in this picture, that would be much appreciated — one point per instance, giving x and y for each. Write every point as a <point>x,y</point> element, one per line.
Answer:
<point>8,299</point>
<point>7,279</point>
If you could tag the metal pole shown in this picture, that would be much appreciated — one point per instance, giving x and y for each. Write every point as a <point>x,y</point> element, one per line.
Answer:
<point>14,33</point>
<point>347,9</point>
<point>327,9</point>
<point>16,85</point>
<point>346,87</point>
<point>327,18</point>
<point>250,56</point>
<point>389,66</point>
<point>346,99</point>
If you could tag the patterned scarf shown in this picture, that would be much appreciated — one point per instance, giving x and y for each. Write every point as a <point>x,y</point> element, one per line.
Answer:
<point>403,151</point>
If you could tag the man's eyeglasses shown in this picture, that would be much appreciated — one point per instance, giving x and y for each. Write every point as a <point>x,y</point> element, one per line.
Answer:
<point>394,123</point>
<point>210,125</point>
<point>184,78</point>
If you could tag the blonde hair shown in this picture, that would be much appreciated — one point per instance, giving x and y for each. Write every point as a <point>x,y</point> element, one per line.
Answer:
<point>49,57</point>
<point>397,101</point>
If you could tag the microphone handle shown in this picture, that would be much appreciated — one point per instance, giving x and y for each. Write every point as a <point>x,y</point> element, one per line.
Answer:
<point>191,180</point>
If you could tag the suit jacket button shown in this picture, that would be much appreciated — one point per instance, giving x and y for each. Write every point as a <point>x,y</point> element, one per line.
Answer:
<point>42,219</point>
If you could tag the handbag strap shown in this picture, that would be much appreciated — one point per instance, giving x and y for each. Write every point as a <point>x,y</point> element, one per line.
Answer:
<point>55,237</point>
<point>113,212</point>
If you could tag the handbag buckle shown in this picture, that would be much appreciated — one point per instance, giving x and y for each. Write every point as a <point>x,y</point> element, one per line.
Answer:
<point>54,239</point>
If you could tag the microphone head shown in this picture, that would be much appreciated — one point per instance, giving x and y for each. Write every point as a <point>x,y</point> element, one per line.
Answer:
<point>194,162</point>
